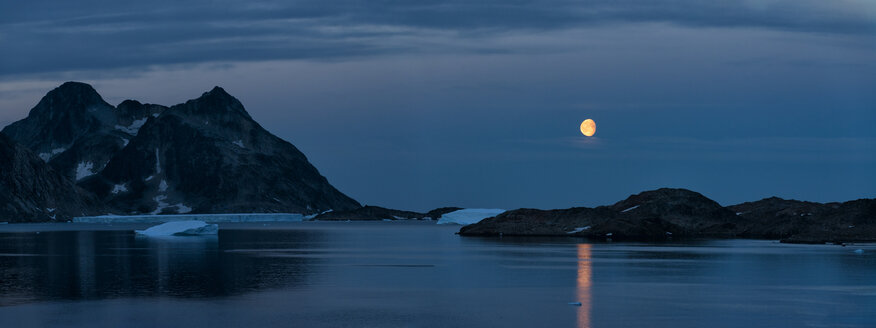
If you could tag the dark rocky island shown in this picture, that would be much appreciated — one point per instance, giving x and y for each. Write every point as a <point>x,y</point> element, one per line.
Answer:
<point>678,213</point>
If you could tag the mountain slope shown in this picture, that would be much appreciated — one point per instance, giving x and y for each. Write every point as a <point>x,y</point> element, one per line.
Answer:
<point>30,190</point>
<point>203,156</point>
<point>209,156</point>
<point>76,131</point>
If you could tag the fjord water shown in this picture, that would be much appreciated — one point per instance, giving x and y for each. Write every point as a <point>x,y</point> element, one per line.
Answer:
<point>418,274</point>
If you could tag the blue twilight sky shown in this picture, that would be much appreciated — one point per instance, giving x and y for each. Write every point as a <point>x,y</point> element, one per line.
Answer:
<point>420,104</point>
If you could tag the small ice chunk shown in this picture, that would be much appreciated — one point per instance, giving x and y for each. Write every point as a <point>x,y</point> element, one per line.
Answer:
<point>155,114</point>
<point>577,230</point>
<point>83,170</point>
<point>45,156</point>
<point>239,143</point>
<point>859,251</point>
<point>162,186</point>
<point>630,209</point>
<point>609,234</point>
<point>50,209</point>
<point>149,177</point>
<point>387,220</point>
<point>738,213</point>
<point>469,215</point>
<point>125,142</point>
<point>180,228</point>
<point>575,303</point>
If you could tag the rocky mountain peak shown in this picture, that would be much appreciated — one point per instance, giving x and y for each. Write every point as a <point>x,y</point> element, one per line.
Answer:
<point>216,103</point>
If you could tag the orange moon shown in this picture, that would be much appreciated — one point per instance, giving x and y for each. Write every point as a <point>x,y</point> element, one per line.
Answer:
<point>588,127</point>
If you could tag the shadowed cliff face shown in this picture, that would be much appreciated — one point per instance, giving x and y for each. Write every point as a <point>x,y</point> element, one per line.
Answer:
<point>206,155</point>
<point>30,190</point>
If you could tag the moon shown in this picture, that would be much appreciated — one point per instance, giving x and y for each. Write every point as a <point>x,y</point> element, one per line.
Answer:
<point>588,127</point>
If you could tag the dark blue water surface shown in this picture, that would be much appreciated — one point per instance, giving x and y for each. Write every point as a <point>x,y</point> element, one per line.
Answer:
<point>418,274</point>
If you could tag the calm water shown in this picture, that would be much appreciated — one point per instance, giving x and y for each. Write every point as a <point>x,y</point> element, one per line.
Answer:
<point>413,274</point>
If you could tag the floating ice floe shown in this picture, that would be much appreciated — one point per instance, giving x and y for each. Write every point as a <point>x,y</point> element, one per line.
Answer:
<point>213,218</point>
<point>180,228</point>
<point>469,215</point>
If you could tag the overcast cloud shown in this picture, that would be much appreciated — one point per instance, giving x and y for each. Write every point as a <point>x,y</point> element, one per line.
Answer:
<point>420,104</point>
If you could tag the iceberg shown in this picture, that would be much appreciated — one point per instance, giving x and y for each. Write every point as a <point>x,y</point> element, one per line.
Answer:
<point>180,228</point>
<point>469,215</point>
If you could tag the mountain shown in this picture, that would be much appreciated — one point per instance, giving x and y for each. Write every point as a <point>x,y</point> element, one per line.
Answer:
<point>656,214</point>
<point>76,131</point>
<point>206,155</point>
<point>30,190</point>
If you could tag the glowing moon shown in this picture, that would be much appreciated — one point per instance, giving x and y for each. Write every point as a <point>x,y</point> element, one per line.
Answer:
<point>588,127</point>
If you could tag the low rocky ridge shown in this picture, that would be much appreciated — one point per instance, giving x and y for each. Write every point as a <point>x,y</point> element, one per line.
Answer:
<point>679,213</point>
<point>650,215</point>
<point>795,221</point>
<point>30,190</point>
<point>376,213</point>
<point>204,156</point>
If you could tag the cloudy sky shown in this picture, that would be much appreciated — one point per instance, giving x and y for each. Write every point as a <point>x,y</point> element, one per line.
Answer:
<point>420,104</point>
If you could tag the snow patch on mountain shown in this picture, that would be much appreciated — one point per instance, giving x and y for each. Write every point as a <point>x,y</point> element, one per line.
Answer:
<point>134,127</point>
<point>119,188</point>
<point>84,169</point>
<point>157,162</point>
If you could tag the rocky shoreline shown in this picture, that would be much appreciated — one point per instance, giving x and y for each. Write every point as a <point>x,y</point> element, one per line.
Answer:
<point>671,214</point>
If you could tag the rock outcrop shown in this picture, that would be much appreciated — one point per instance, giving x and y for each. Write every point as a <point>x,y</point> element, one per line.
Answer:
<point>808,222</point>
